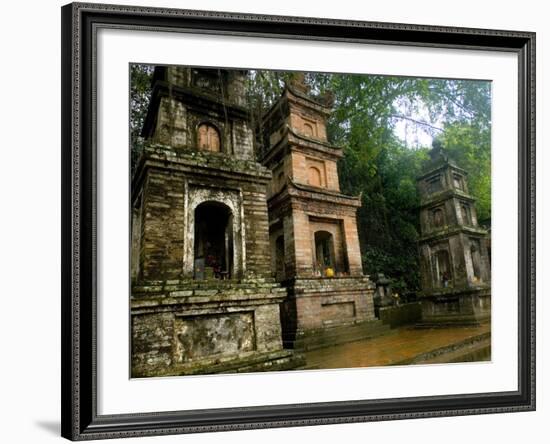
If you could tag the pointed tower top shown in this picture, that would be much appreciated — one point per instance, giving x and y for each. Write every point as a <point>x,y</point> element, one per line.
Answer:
<point>298,82</point>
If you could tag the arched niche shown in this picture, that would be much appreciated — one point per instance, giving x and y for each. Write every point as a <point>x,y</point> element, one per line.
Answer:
<point>224,207</point>
<point>307,130</point>
<point>213,241</point>
<point>208,137</point>
<point>324,251</point>
<point>314,177</point>
<point>438,218</point>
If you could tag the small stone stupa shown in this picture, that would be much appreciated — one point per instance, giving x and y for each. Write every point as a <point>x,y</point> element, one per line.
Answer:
<point>454,258</point>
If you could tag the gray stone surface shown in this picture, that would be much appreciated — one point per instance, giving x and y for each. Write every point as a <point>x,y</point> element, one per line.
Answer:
<point>454,261</point>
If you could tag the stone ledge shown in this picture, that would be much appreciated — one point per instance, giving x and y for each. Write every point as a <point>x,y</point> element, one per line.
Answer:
<point>172,304</point>
<point>305,286</point>
<point>167,293</point>
<point>196,158</point>
<point>456,352</point>
<point>480,290</point>
<point>328,336</point>
<point>244,362</point>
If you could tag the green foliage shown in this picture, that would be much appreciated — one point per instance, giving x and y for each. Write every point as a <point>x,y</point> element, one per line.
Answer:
<point>470,147</point>
<point>383,169</point>
<point>140,94</point>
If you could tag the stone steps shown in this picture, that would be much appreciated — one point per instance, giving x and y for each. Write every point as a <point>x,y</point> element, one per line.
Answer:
<point>257,362</point>
<point>477,348</point>
<point>312,340</point>
<point>480,351</point>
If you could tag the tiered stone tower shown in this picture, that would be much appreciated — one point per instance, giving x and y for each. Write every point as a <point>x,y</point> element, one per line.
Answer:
<point>312,227</point>
<point>203,299</point>
<point>454,261</point>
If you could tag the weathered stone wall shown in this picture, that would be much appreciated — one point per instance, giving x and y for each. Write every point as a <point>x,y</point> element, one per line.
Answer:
<point>351,236</point>
<point>231,82</point>
<point>163,225</point>
<point>177,126</point>
<point>152,340</point>
<point>172,125</point>
<point>331,302</point>
<point>201,336</point>
<point>458,245</point>
<point>404,314</point>
<point>179,325</point>
<point>299,172</point>
<point>258,259</point>
<point>174,185</point>
<point>137,235</point>
<point>333,182</point>
<point>301,117</point>
<point>301,247</point>
<point>468,305</point>
<point>484,264</point>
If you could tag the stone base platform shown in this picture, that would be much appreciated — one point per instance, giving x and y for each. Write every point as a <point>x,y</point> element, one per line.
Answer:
<point>246,363</point>
<point>208,326</point>
<point>471,349</point>
<point>456,306</point>
<point>321,312</point>
<point>326,337</point>
<point>403,314</point>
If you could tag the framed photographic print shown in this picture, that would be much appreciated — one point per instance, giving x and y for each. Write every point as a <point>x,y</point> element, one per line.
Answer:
<point>277,221</point>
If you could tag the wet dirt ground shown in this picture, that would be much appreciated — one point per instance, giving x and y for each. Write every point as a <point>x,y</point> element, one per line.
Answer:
<point>399,345</point>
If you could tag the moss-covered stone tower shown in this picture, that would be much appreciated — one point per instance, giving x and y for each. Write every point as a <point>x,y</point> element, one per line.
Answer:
<point>203,299</point>
<point>454,260</point>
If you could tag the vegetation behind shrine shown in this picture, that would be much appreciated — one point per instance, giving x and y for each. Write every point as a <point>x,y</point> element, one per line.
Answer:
<point>377,164</point>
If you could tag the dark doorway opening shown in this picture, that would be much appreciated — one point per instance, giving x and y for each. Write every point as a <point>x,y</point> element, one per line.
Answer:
<point>213,241</point>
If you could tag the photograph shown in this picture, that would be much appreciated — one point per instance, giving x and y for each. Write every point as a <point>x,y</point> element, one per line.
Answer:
<point>272,220</point>
<point>302,221</point>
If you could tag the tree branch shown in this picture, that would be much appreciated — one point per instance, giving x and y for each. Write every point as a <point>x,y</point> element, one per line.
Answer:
<point>418,122</point>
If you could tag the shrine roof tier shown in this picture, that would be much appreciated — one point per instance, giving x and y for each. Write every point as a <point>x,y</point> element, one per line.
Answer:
<point>434,199</point>
<point>449,164</point>
<point>290,94</point>
<point>290,140</point>
<point>198,163</point>
<point>300,116</point>
<point>308,193</point>
<point>194,98</point>
<point>454,230</point>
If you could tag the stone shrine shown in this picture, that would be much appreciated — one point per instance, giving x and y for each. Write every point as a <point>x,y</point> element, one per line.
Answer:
<point>454,259</point>
<point>203,299</point>
<point>312,226</point>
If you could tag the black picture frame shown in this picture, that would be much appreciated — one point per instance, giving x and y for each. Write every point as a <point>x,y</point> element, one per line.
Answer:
<point>79,390</point>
